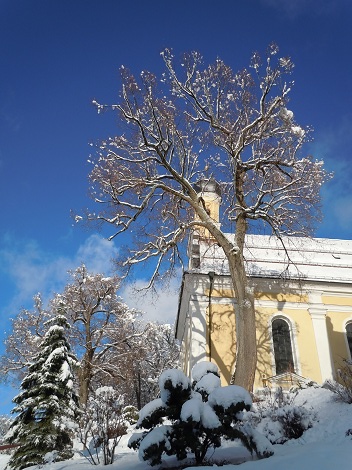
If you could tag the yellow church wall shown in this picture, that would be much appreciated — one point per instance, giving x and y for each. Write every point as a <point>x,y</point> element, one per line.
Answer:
<point>306,345</point>
<point>303,343</point>
<point>282,296</point>
<point>264,346</point>
<point>263,296</point>
<point>221,333</point>
<point>221,329</point>
<point>336,300</point>
<point>336,322</point>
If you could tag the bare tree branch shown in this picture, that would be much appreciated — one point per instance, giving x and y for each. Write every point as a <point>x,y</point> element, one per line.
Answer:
<point>200,121</point>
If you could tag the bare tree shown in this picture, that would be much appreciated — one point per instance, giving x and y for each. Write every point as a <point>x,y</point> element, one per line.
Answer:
<point>22,343</point>
<point>102,323</point>
<point>198,123</point>
<point>103,331</point>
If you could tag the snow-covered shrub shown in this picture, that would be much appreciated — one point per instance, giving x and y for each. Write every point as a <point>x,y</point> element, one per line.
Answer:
<point>130,414</point>
<point>294,421</point>
<point>343,387</point>
<point>278,418</point>
<point>104,422</point>
<point>194,418</point>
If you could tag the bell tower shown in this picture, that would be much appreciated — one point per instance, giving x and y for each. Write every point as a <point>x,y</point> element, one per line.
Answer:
<point>208,189</point>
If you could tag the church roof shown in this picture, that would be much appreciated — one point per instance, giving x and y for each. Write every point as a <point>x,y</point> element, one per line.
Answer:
<point>296,258</point>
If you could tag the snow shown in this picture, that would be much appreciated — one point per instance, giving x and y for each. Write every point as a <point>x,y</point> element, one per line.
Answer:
<point>149,408</point>
<point>263,446</point>
<point>65,374</point>
<point>58,352</point>
<point>208,383</point>
<point>177,378</point>
<point>209,417</point>
<point>324,446</point>
<point>192,409</point>
<point>298,131</point>
<point>155,436</point>
<point>286,114</point>
<point>311,258</point>
<point>230,395</point>
<point>202,368</point>
<point>198,411</point>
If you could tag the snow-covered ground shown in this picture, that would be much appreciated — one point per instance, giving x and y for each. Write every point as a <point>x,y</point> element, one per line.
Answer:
<point>325,446</point>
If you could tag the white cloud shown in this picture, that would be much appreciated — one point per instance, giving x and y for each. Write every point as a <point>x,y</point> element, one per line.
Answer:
<point>97,254</point>
<point>342,209</point>
<point>159,306</point>
<point>30,270</point>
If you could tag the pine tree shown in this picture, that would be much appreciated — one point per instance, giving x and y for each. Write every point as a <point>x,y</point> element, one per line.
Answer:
<point>47,405</point>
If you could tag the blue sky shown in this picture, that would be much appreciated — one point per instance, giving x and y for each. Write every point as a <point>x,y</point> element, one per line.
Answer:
<point>58,55</point>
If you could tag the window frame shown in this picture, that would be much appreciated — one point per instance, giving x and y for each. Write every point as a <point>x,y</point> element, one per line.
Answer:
<point>293,334</point>
<point>347,323</point>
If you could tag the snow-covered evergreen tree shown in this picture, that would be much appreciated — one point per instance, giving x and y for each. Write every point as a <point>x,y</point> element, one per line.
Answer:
<point>47,405</point>
<point>194,418</point>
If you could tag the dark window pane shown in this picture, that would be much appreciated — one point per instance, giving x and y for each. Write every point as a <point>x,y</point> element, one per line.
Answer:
<point>282,346</point>
<point>349,336</point>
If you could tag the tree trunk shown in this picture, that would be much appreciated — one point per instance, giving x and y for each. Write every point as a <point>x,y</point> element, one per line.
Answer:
<point>85,377</point>
<point>138,390</point>
<point>246,343</point>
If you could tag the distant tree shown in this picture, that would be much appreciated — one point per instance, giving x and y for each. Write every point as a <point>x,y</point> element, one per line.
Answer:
<point>156,350</point>
<point>47,405</point>
<point>199,123</point>
<point>27,332</point>
<point>5,423</point>
<point>113,345</point>
<point>103,327</point>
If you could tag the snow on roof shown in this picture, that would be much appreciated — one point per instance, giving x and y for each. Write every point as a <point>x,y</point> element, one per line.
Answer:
<point>303,258</point>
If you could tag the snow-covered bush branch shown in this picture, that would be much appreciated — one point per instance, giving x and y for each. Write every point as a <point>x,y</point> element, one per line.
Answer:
<point>105,420</point>
<point>277,417</point>
<point>342,387</point>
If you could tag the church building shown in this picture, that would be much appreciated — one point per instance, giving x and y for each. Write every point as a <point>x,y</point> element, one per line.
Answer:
<point>303,303</point>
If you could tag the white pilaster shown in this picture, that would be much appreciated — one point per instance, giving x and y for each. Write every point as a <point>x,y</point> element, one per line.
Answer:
<point>198,328</point>
<point>317,313</point>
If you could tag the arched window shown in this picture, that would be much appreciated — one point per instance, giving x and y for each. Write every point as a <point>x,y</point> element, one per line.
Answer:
<point>349,336</point>
<point>282,346</point>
